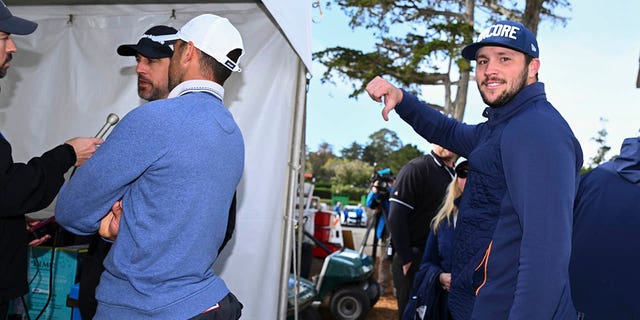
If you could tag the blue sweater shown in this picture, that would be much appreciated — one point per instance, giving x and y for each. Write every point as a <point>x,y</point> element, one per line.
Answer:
<point>175,164</point>
<point>513,239</point>
<point>604,260</point>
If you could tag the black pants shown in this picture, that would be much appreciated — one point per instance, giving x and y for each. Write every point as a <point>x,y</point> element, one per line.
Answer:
<point>4,309</point>
<point>228,308</point>
<point>90,273</point>
<point>404,283</point>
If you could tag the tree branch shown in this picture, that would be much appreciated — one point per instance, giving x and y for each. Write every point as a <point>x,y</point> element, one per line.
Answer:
<point>494,7</point>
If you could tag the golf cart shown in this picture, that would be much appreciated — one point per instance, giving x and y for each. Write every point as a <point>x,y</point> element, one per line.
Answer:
<point>345,280</point>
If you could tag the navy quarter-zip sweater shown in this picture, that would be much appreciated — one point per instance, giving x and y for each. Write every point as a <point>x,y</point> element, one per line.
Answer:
<point>513,239</point>
<point>604,259</point>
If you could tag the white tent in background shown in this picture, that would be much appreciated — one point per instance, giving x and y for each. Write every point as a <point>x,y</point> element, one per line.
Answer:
<point>66,78</point>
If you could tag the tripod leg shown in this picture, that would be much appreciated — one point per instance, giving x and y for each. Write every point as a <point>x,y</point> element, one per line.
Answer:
<point>374,249</point>
<point>371,224</point>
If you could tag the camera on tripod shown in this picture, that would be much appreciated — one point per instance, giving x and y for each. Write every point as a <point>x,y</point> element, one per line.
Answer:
<point>383,178</point>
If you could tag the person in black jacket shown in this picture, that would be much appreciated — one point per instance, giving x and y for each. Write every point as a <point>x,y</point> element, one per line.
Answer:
<point>417,193</point>
<point>26,187</point>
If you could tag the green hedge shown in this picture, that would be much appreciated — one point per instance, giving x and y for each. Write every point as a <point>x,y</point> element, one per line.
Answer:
<point>355,194</point>
<point>322,192</point>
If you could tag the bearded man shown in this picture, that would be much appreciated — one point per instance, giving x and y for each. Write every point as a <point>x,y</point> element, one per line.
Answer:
<point>512,243</point>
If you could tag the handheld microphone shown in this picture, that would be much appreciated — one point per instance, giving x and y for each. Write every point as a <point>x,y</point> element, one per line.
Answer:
<point>112,119</point>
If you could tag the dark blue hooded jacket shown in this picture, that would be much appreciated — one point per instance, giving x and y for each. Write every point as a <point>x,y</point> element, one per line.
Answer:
<point>512,244</point>
<point>605,279</point>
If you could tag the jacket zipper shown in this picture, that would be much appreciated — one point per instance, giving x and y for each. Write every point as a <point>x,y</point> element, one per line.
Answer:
<point>485,262</point>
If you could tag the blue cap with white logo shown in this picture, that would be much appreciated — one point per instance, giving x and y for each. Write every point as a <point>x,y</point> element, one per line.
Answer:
<point>505,33</point>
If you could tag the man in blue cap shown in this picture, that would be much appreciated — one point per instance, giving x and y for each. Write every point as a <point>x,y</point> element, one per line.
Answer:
<point>513,235</point>
<point>26,187</point>
<point>153,53</point>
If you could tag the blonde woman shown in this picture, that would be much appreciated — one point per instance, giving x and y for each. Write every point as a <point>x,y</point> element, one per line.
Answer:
<point>433,280</point>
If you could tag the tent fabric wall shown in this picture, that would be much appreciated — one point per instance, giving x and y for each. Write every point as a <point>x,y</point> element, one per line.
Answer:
<point>294,19</point>
<point>66,78</point>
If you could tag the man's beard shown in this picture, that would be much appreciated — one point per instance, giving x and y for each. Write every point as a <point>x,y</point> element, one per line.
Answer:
<point>508,94</point>
<point>153,95</point>
<point>173,82</point>
<point>3,68</point>
<point>155,91</point>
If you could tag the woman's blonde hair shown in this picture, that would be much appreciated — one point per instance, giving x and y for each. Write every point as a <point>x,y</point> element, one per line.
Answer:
<point>448,208</point>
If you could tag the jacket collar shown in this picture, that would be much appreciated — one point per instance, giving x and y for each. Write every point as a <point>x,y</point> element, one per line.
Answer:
<point>532,92</point>
<point>441,164</point>
<point>198,86</point>
<point>627,164</point>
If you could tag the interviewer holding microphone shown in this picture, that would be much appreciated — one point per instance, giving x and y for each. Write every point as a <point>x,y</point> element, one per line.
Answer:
<point>26,187</point>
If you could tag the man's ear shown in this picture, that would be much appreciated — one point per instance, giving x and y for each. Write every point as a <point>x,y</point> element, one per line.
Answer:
<point>190,52</point>
<point>534,67</point>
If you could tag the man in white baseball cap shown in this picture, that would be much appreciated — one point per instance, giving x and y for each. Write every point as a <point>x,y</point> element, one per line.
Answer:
<point>203,33</point>
<point>205,30</point>
<point>179,162</point>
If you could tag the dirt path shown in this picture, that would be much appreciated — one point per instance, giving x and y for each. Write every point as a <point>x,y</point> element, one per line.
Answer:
<point>385,309</point>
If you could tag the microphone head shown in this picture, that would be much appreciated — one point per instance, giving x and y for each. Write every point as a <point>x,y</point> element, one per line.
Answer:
<point>112,118</point>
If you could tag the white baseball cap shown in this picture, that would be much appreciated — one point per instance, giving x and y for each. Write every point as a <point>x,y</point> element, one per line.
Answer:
<point>215,36</point>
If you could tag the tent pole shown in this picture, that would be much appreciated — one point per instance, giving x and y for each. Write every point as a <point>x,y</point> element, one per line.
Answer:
<point>296,163</point>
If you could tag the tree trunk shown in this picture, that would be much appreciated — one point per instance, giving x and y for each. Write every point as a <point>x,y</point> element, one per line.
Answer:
<point>531,15</point>
<point>460,102</point>
<point>461,96</point>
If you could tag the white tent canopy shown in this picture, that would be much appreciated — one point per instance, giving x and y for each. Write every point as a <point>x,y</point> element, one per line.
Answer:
<point>66,78</point>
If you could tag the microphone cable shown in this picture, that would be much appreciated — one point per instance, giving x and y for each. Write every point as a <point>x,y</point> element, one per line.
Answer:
<point>51,265</point>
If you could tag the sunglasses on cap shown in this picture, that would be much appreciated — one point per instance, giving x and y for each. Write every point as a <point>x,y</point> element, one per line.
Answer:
<point>462,172</point>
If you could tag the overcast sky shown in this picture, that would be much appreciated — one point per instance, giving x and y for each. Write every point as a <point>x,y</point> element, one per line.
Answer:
<point>589,69</point>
